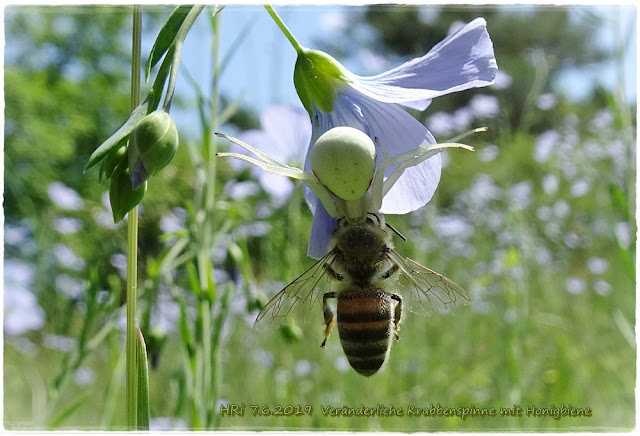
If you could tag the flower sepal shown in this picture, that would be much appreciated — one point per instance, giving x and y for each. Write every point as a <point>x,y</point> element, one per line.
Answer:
<point>154,142</point>
<point>316,77</point>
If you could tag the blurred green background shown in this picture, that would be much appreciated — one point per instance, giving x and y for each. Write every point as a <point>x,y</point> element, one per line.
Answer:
<point>538,225</point>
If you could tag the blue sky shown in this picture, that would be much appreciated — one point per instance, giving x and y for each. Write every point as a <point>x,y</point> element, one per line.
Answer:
<point>262,70</point>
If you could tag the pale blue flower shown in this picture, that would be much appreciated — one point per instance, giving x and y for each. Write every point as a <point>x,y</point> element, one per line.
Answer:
<point>64,197</point>
<point>597,265</point>
<point>602,287</point>
<point>333,97</point>
<point>484,106</point>
<point>67,258</point>
<point>503,80</point>
<point>60,343</point>
<point>574,285</point>
<point>72,287</point>
<point>22,312</point>
<point>66,225</point>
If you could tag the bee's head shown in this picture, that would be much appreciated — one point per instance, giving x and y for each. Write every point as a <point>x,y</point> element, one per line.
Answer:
<point>361,241</point>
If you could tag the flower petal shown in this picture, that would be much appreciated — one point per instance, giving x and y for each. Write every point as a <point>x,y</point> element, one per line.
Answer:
<point>463,60</point>
<point>321,228</point>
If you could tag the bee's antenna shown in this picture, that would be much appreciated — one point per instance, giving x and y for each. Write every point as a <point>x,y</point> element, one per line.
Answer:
<point>396,231</point>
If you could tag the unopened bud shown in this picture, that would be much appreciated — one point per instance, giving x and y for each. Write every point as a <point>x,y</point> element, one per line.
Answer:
<point>122,197</point>
<point>291,333</point>
<point>344,160</point>
<point>154,142</point>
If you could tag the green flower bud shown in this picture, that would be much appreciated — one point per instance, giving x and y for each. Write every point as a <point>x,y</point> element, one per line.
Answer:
<point>291,333</point>
<point>344,160</point>
<point>122,197</point>
<point>154,142</point>
<point>316,77</point>
<point>257,303</point>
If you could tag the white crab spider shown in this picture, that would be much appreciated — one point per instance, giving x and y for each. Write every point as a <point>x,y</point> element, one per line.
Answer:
<point>344,193</point>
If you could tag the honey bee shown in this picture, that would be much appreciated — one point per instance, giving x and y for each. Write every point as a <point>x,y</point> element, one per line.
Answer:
<point>370,281</point>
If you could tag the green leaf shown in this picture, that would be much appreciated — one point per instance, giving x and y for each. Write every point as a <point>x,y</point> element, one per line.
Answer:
<point>114,140</point>
<point>143,383</point>
<point>155,93</point>
<point>230,110</point>
<point>81,400</point>
<point>166,37</point>
<point>620,200</point>
<point>193,279</point>
<point>113,159</point>
<point>183,325</point>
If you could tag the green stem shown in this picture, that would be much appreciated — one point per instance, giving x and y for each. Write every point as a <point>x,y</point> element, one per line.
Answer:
<point>132,247</point>
<point>214,356</point>
<point>299,49</point>
<point>215,103</point>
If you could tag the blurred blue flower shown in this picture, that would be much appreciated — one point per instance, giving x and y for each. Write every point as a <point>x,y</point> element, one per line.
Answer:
<point>67,258</point>
<point>60,342</point>
<point>484,106</point>
<point>175,221</point>
<point>22,312</point>
<point>70,286</point>
<point>602,287</point>
<point>162,423</point>
<point>545,145</point>
<point>623,234</point>
<point>64,197</point>
<point>333,96</point>
<point>66,225</point>
<point>302,368</point>
<point>546,101</point>
<point>503,80</point>
<point>597,265</point>
<point>84,376</point>
<point>574,285</point>
<point>285,134</point>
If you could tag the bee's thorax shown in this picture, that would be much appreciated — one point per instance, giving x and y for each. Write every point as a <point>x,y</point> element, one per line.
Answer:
<point>362,248</point>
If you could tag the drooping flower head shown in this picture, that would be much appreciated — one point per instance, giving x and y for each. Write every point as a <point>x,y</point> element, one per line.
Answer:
<point>404,167</point>
<point>333,96</point>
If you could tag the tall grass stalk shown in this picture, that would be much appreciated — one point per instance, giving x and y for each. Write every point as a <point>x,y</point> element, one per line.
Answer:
<point>132,246</point>
<point>202,365</point>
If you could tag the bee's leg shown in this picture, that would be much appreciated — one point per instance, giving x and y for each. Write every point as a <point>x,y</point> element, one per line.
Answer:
<point>329,316</point>
<point>397,315</point>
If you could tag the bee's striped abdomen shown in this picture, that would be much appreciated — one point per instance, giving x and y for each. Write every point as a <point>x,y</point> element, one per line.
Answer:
<point>365,325</point>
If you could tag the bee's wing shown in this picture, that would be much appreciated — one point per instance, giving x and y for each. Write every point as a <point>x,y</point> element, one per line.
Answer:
<point>426,289</point>
<point>300,296</point>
